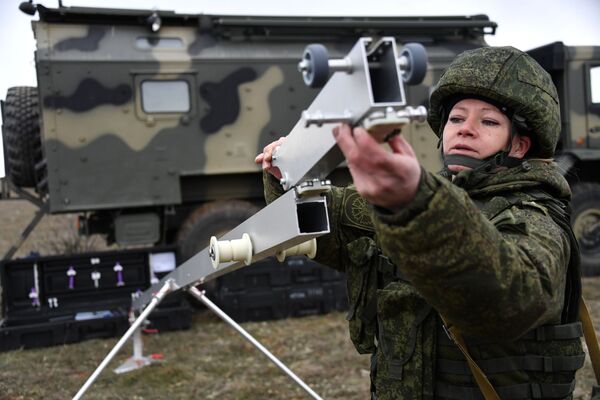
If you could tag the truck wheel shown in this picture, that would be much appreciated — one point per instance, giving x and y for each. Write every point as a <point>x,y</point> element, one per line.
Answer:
<point>22,141</point>
<point>585,220</point>
<point>211,219</point>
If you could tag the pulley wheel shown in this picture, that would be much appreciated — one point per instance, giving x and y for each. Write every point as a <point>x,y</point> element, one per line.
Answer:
<point>416,55</point>
<point>316,70</point>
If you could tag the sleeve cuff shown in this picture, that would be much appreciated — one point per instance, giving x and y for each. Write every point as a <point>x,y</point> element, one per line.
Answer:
<point>272,188</point>
<point>427,188</point>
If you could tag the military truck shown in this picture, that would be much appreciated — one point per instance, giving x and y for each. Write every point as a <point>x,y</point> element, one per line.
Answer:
<point>575,71</point>
<point>146,122</point>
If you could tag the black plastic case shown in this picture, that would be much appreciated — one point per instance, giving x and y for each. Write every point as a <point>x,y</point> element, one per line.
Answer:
<point>44,305</point>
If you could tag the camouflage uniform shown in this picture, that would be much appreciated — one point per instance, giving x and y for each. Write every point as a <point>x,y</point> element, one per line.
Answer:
<point>491,252</point>
<point>505,264</point>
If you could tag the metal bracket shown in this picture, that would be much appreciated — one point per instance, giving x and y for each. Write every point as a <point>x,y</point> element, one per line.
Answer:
<point>375,85</point>
<point>319,118</point>
<point>381,123</point>
<point>313,187</point>
<point>137,360</point>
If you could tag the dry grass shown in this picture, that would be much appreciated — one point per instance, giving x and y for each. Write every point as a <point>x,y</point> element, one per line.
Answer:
<point>209,361</point>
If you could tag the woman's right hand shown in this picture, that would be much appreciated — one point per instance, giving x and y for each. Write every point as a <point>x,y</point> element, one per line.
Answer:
<point>266,158</point>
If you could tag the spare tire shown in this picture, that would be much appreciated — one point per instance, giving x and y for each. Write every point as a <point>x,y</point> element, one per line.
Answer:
<point>211,219</point>
<point>585,220</point>
<point>21,134</point>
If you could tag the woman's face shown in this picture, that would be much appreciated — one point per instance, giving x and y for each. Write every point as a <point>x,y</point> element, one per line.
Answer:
<point>476,129</point>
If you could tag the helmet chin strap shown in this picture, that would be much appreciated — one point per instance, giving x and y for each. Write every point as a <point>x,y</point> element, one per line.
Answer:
<point>489,164</point>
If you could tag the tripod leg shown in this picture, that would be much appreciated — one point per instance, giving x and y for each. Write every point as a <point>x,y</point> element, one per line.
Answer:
<point>157,298</point>
<point>221,314</point>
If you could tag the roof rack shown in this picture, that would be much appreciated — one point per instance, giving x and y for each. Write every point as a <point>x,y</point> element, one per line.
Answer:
<point>234,25</point>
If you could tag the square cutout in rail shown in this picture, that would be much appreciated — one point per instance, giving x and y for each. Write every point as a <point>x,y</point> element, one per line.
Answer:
<point>383,74</point>
<point>312,217</point>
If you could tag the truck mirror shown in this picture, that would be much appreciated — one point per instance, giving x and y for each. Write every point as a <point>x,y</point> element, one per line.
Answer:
<point>28,7</point>
<point>595,84</point>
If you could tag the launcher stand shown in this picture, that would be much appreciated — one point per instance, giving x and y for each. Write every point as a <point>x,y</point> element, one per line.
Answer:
<point>138,360</point>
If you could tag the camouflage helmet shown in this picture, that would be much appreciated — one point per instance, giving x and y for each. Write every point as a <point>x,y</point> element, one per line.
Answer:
<point>506,76</point>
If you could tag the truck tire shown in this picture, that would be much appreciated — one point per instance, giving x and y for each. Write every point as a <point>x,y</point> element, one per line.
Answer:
<point>21,131</point>
<point>585,220</point>
<point>211,219</point>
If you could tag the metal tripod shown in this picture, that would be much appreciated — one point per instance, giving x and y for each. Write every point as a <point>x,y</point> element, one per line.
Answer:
<point>138,361</point>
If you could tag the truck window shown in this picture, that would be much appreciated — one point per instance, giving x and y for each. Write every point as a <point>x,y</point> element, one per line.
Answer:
<point>595,84</point>
<point>165,96</point>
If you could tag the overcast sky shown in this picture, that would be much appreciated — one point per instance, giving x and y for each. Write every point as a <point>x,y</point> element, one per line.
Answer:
<point>524,24</point>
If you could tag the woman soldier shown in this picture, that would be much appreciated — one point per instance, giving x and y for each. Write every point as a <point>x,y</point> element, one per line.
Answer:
<point>483,249</point>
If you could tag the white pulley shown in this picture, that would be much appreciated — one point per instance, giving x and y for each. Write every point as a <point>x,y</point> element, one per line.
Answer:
<point>221,251</point>
<point>308,248</point>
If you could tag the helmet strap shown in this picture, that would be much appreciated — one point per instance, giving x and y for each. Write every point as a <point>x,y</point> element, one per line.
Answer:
<point>489,164</point>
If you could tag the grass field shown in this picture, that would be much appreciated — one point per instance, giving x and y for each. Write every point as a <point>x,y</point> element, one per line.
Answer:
<point>209,361</point>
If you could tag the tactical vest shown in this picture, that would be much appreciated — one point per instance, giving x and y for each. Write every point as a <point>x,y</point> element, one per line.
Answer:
<point>413,357</point>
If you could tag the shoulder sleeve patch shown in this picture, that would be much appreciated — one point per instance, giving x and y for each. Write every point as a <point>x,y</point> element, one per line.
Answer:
<point>356,212</point>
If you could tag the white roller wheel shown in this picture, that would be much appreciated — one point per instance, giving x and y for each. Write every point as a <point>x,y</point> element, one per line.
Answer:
<point>308,248</point>
<point>230,250</point>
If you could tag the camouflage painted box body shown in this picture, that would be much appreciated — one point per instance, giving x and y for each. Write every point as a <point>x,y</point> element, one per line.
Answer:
<point>140,126</point>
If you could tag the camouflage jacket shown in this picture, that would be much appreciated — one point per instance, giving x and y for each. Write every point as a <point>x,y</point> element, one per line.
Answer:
<point>463,249</point>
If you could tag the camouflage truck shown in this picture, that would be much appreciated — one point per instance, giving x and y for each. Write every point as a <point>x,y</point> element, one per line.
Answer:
<point>576,72</point>
<point>147,122</point>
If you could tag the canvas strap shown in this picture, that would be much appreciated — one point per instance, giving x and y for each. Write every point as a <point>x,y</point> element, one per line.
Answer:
<point>488,391</point>
<point>589,333</point>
